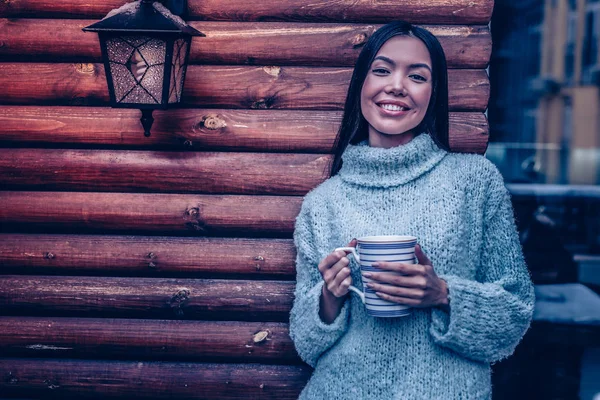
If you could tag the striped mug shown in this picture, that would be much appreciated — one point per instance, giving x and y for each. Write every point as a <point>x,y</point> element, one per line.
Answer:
<point>371,249</point>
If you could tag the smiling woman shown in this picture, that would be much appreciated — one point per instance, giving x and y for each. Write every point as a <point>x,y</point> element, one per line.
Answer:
<point>393,175</point>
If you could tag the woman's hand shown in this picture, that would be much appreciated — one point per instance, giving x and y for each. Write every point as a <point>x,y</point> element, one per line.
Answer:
<point>419,285</point>
<point>336,274</point>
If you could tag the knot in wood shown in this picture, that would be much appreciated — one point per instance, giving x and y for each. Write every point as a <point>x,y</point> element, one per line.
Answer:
<point>11,379</point>
<point>358,39</point>
<point>260,336</point>
<point>260,260</point>
<point>273,71</point>
<point>51,384</point>
<point>178,300</point>
<point>263,104</point>
<point>213,122</point>
<point>193,212</point>
<point>49,256</point>
<point>85,68</point>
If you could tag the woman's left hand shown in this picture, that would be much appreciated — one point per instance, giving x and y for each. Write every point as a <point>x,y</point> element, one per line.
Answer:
<point>419,285</point>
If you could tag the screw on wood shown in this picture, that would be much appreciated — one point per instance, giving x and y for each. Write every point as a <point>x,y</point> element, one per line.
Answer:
<point>48,256</point>
<point>188,143</point>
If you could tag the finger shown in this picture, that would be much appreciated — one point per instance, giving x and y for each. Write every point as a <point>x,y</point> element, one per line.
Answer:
<point>330,260</point>
<point>352,243</point>
<point>342,289</point>
<point>400,300</point>
<point>403,268</point>
<point>332,272</point>
<point>341,276</point>
<point>411,293</point>
<point>421,256</point>
<point>407,281</point>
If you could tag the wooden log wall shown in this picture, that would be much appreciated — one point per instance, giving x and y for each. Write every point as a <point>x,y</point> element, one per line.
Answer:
<point>163,267</point>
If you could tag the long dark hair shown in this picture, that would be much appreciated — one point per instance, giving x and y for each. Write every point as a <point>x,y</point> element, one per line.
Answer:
<point>354,127</point>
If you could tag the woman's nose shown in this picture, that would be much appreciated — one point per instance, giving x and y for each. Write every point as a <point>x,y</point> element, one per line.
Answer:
<point>396,86</point>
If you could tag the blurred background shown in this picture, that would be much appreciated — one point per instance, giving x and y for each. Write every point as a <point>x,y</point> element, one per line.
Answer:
<point>544,115</point>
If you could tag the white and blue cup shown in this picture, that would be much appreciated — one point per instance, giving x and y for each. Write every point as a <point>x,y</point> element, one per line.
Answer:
<point>371,249</point>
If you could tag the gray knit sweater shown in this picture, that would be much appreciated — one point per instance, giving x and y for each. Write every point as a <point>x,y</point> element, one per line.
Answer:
<point>460,211</point>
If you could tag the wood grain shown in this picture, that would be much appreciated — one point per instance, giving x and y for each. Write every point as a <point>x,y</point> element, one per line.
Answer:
<point>436,11</point>
<point>246,87</point>
<point>152,298</point>
<point>148,213</point>
<point>76,379</point>
<point>224,341</point>
<point>147,256</point>
<point>201,129</point>
<point>153,171</point>
<point>232,43</point>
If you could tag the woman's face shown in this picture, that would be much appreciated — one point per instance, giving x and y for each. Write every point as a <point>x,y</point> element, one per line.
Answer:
<point>395,95</point>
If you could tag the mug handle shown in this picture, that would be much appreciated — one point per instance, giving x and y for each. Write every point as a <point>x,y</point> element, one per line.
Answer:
<point>352,250</point>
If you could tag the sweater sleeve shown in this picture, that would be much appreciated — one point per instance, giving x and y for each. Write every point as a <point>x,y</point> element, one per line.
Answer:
<point>312,337</point>
<point>489,315</point>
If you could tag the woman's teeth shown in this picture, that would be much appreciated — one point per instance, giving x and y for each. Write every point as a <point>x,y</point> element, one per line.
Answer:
<point>392,107</point>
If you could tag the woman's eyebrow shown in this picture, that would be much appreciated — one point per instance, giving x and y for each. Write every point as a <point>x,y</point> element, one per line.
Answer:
<point>411,66</point>
<point>420,65</point>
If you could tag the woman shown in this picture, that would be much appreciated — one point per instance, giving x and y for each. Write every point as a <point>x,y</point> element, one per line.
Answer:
<point>393,175</point>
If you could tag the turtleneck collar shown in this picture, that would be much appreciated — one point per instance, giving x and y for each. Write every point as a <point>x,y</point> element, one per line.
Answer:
<point>378,167</point>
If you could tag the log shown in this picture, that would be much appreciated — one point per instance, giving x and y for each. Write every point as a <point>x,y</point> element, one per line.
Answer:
<point>438,11</point>
<point>230,43</point>
<point>151,298</point>
<point>147,256</point>
<point>76,379</point>
<point>148,213</point>
<point>260,342</point>
<point>266,87</point>
<point>153,171</point>
<point>206,129</point>
<point>214,129</point>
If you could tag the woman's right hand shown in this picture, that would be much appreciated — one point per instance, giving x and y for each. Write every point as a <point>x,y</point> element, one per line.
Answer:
<point>336,273</point>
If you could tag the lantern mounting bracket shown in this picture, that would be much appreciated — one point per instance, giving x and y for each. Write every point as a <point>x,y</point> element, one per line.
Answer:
<point>177,7</point>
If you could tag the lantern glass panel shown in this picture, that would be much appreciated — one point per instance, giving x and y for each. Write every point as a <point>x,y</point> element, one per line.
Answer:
<point>178,67</point>
<point>137,68</point>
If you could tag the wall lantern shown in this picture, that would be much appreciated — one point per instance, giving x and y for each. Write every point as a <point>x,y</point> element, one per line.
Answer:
<point>145,50</point>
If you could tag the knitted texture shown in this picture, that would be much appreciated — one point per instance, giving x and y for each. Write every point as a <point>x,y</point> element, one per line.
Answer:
<point>460,211</point>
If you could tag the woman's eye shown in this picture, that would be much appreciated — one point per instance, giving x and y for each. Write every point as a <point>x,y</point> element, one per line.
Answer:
<point>380,71</point>
<point>418,78</point>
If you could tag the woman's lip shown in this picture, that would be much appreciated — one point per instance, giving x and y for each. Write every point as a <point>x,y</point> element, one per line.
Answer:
<point>392,113</point>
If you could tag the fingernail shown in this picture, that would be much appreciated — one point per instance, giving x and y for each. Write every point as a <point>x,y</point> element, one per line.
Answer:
<point>367,274</point>
<point>376,265</point>
<point>369,285</point>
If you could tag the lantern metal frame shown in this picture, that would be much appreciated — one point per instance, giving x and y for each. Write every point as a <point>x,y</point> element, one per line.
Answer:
<point>144,18</point>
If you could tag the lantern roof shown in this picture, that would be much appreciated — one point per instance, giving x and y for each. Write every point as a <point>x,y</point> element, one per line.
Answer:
<point>143,16</point>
